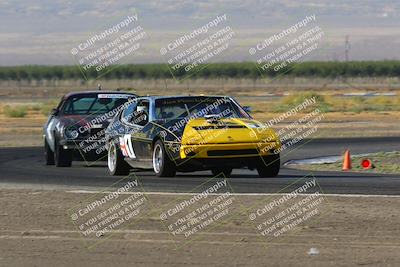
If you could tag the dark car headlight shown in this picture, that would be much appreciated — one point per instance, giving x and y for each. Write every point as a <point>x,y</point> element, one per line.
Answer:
<point>71,132</point>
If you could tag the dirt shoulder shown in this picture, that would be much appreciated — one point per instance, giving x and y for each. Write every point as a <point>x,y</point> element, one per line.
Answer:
<point>36,230</point>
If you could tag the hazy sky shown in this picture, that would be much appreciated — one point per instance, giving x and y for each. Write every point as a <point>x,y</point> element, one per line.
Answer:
<point>44,31</point>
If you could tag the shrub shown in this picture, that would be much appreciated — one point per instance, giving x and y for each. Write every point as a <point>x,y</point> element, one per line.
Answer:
<point>35,107</point>
<point>45,108</point>
<point>15,112</point>
<point>294,100</point>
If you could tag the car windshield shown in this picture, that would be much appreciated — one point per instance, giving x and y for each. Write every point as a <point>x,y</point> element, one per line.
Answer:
<point>93,103</point>
<point>171,108</point>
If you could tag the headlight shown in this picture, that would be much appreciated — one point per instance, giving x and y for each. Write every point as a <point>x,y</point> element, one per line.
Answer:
<point>71,133</point>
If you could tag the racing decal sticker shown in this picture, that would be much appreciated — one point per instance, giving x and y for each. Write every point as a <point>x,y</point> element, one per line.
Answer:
<point>125,96</point>
<point>123,147</point>
<point>125,143</point>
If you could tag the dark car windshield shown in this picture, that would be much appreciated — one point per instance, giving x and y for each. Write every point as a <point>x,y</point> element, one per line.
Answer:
<point>93,103</point>
<point>171,108</point>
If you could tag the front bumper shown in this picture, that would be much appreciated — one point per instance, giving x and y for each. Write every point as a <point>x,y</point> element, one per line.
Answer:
<point>231,150</point>
<point>85,147</point>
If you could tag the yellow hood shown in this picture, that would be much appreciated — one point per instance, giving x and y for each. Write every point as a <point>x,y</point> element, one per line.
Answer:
<point>226,130</point>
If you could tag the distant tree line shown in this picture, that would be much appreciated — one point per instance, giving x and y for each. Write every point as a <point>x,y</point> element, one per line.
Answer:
<point>217,70</point>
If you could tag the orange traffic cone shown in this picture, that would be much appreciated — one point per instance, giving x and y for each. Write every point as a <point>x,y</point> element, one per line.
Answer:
<point>346,161</point>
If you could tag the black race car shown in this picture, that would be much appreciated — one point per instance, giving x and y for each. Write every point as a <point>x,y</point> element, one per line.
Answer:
<point>189,133</point>
<point>75,128</point>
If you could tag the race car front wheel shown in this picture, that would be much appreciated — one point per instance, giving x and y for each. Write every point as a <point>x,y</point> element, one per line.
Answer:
<point>162,165</point>
<point>62,157</point>
<point>115,161</point>
<point>48,154</point>
<point>269,166</point>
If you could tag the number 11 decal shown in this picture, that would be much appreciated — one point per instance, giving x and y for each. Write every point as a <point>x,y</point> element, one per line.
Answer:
<point>125,143</point>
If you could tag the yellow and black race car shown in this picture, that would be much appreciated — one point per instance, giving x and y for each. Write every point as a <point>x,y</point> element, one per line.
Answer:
<point>190,133</point>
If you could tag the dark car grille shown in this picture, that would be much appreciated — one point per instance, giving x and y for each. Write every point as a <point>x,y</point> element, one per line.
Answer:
<point>212,153</point>
<point>210,127</point>
<point>97,132</point>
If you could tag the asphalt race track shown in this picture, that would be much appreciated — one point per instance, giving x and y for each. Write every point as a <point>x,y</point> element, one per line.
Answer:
<point>24,168</point>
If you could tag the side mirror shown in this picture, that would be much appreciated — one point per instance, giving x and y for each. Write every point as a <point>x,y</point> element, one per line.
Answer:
<point>247,109</point>
<point>54,112</point>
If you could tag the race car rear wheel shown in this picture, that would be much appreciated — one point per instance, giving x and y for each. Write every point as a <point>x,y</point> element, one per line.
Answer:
<point>62,157</point>
<point>48,153</point>
<point>162,165</point>
<point>269,166</point>
<point>226,171</point>
<point>115,161</point>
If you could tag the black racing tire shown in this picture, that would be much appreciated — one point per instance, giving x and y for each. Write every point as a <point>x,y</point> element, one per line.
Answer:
<point>62,157</point>
<point>163,166</point>
<point>269,166</point>
<point>227,172</point>
<point>48,154</point>
<point>115,161</point>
